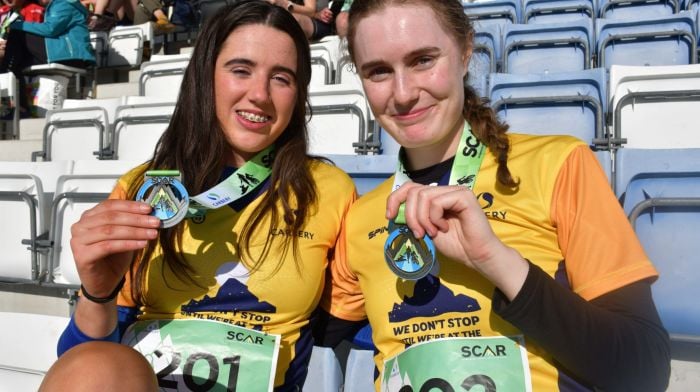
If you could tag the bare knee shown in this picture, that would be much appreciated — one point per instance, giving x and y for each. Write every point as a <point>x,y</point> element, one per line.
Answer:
<point>100,366</point>
<point>341,24</point>
<point>306,24</point>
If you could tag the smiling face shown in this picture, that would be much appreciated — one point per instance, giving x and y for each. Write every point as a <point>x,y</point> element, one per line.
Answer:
<point>255,88</point>
<point>413,78</point>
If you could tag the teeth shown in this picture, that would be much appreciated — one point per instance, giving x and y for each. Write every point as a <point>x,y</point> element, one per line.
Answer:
<point>252,117</point>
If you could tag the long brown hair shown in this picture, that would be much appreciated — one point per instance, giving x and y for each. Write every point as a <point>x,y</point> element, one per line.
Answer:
<point>194,144</point>
<point>482,119</point>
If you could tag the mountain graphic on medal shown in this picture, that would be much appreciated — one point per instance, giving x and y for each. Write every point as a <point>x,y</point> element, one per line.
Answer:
<point>233,294</point>
<point>431,298</point>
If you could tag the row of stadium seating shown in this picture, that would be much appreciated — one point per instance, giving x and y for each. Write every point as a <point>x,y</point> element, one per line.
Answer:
<point>544,11</point>
<point>582,44</point>
<point>659,189</point>
<point>627,110</point>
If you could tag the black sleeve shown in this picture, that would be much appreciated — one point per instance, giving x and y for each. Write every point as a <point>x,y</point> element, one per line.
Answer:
<point>330,331</point>
<point>615,342</point>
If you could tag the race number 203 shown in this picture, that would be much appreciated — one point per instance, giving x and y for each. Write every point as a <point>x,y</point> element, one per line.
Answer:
<point>490,364</point>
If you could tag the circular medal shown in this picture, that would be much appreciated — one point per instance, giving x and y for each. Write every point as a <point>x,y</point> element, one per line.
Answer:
<point>167,196</point>
<point>408,257</point>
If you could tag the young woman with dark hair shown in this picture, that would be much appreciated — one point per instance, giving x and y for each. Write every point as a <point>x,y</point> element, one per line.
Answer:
<point>249,258</point>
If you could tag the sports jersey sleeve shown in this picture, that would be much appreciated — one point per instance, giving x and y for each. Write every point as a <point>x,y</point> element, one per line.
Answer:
<point>342,297</point>
<point>600,249</point>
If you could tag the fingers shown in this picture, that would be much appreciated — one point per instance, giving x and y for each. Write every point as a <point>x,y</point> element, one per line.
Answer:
<point>114,226</point>
<point>427,208</point>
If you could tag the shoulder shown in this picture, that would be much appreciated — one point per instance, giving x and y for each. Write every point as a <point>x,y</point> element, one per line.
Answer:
<point>330,180</point>
<point>325,173</point>
<point>373,200</point>
<point>536,150</point>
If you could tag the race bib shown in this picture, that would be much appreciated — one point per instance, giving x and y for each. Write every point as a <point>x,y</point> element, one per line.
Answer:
<point>206,355</point>
<point>489,364</point>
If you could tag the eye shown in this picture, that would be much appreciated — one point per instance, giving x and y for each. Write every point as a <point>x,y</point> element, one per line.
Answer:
<point>240,71</point>
<point>424,62</point>
<point>377,74</point>
<point>282,78</point>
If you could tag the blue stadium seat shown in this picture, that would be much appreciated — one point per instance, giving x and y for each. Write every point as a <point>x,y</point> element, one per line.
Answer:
<point>662,199</point>
<point>486,56</point>
<point>557,11</point>
<point>625,9</point>
<point>359,369</point>
<point>498,12</point>
<point>656,106</point>
<point>664,40</point>
<point>367,171</point>
<point>324,373</point>
<point>541,48</point>
<point>568,103</point>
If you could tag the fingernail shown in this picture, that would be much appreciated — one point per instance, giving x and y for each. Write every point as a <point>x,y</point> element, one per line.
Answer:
<point>152,233</point>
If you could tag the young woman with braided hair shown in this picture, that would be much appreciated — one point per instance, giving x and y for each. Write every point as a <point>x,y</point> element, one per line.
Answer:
<point>491,258</point>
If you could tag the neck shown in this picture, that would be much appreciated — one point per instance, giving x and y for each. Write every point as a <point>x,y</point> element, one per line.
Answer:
<point>421,157</point>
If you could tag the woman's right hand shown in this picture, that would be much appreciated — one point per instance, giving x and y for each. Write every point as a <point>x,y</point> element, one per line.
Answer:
<point>104,239</point>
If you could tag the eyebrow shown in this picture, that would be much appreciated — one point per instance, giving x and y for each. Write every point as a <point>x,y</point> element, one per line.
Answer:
<point>251,63</point>
<point>412,54</point>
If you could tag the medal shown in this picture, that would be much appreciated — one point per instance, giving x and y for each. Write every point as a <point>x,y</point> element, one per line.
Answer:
<point>413,258</point>
<point>163,191</point>
<point>408,257</point>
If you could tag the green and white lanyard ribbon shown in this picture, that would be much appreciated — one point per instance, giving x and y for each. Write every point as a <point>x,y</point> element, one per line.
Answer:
<point>163,190</point>
<point>413,258</point>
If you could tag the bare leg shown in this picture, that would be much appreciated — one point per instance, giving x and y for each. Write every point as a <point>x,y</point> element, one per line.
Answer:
<point>341,24</point>
<point>306,24</point>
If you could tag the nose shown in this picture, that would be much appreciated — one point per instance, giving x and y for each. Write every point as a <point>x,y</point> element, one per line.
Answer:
<point>405,91</point>
<point>259,89</point>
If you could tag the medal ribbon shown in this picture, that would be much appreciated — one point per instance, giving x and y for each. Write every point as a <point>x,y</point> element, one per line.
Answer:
<point>240,183</point>
<point>465,167</point>
<point>167,205</point>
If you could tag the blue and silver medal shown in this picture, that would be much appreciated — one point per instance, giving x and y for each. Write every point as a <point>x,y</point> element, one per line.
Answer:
<point>408,257</point>
<point>413,258</point>
<point>163,191</point>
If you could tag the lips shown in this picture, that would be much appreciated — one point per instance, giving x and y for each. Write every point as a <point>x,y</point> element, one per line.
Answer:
<point>412,115</point>
<point>253,117</point>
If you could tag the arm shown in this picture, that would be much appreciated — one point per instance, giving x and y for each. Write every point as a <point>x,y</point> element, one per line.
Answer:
<point>62,15</point>
<point>615,342</point>
<point>72,335</point>
<point>103,242</point>
<point>308,9</point>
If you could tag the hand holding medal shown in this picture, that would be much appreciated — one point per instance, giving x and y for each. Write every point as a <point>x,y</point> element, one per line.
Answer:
<point>411,256</point>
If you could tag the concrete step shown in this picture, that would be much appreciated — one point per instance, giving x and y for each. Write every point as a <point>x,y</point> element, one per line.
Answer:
<point>134,75</point>
<point>18,150</point>
<point>113,90</point>
<point>31,128</point>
